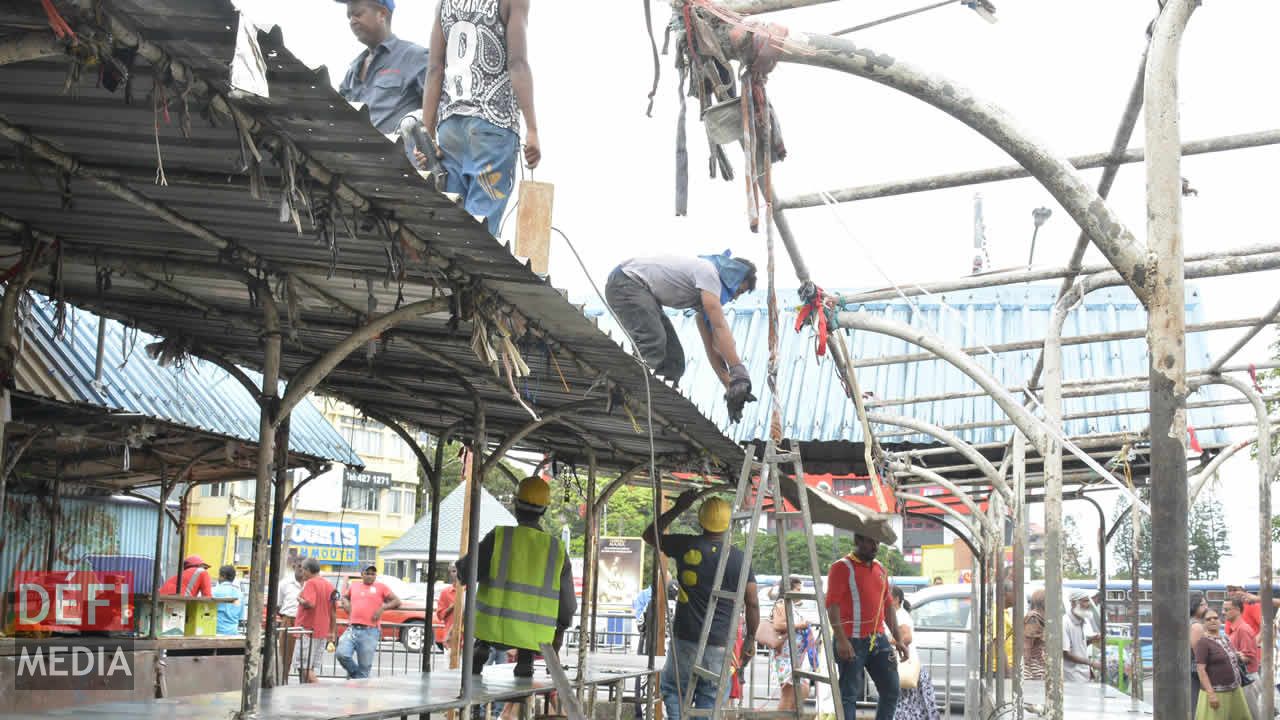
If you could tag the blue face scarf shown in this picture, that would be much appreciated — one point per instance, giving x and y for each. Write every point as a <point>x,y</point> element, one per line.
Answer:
<point>732,272</point>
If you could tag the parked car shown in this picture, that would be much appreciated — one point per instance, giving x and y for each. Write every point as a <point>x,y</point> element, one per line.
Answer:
<point>412,613</point>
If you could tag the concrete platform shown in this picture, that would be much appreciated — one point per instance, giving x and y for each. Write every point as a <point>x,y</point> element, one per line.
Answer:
<point>1087,701</point>
<point>369,699</point>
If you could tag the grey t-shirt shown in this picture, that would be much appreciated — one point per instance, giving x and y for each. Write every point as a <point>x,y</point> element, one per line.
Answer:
<point>676,280</point>
<point>1073,640</point>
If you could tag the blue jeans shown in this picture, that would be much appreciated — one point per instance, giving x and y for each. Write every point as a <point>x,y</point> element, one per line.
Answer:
<point>480,158</point>
<point>356,649</point>
<point>676,679</point>
<point>881,664</point>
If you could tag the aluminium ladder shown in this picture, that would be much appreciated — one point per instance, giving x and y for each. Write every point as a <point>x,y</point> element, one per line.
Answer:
<point>769,482</point>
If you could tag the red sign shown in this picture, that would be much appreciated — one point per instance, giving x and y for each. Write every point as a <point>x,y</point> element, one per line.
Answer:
<point>73,600</point>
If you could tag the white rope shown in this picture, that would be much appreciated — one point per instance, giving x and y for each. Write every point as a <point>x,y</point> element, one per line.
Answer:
<point>1056,433</point>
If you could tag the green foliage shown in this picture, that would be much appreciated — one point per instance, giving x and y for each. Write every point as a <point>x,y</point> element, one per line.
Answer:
<point>1207,539</point>
<point>768,561</point>
<point>1275,529</point>
<point>1076,563</point>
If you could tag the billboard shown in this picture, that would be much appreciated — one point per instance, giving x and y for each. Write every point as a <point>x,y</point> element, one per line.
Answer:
<point>621,564</point>
<point>329,542</point>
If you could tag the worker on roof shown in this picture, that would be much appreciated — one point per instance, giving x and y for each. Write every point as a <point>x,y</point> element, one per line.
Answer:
<point>524,584</point>
<point>639,288</point>
<point>478,85</point>
<point>697,557</point>
<point>195,581</point>
<point>388,75</point>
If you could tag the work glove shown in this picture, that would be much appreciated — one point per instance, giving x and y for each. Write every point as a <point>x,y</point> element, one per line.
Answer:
<point>739,393</point>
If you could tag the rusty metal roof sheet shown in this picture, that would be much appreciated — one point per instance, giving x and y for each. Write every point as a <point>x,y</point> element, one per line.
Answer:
<point>168,281</point>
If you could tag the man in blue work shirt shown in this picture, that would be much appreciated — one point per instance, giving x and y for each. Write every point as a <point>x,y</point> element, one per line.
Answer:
<point>388,76</point>
<point>229,613</point>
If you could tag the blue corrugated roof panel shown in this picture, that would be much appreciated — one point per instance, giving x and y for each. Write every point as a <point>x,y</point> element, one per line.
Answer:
<point>199,395</point>
<point>814,406</point>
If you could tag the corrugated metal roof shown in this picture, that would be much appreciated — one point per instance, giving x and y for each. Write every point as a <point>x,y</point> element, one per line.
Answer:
<point>206,184</point>
<point>814,405</point>
<point>199,395</point>
<point>416,541</point>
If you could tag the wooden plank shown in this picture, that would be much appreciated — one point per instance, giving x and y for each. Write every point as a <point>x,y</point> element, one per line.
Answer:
<point>568,699</point>
<point>533,223</point>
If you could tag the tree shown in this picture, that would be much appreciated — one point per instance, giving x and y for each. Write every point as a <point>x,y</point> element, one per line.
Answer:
<point>1207,540</point>
<point>1122,545</point>
<point>1076,563</point>
<point>1207,537</point>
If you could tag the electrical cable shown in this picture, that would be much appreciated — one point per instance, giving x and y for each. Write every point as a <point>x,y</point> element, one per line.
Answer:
<point>1056,433</point>
<point>648,404</point>
<point>891,18</point>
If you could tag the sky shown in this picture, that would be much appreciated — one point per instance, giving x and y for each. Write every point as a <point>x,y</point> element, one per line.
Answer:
<point>1062,70</point>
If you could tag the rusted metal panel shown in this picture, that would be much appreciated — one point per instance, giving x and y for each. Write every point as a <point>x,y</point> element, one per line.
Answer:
<point>92,533</point>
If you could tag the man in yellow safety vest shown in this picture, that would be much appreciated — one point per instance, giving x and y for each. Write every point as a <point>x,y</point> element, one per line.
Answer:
<point>524,594</point>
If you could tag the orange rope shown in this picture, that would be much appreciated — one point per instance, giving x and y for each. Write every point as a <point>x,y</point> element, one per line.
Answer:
<point>59,26</point>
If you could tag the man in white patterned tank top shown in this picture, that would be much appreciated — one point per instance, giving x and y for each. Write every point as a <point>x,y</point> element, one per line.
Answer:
<point>478,85</point>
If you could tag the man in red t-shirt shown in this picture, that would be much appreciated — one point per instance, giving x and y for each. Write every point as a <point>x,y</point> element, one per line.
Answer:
<point>1251,614</point>
<point>364,603</point>
<point>315,613</point>
<point>858,601</point>
<point>195,579</point>
<point>446,605</point>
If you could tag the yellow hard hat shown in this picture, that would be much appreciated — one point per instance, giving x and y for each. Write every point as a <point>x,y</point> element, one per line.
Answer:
<point>713,516</point>
<point>534,493</point>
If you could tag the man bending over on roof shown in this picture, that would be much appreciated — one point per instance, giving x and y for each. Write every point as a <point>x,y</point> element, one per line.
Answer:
<point>639,288</point>
<point>478,85</point>
<point>388,76</point>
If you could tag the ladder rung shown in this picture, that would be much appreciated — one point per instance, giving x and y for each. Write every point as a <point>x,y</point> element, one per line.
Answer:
<point>812,677</point>
<point>782,457</point>
<point>697,712</point>
<point>741,515</point>
<point>800,594</point>
<point>703,672</point>
<point>788,514</point>
<point>724,594</point>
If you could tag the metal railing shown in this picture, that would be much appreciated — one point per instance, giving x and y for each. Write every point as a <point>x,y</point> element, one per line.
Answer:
<point>391,657</point>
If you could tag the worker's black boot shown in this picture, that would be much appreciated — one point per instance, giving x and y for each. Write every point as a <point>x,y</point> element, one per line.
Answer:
<point>479,658</point>
<point>524,664</point>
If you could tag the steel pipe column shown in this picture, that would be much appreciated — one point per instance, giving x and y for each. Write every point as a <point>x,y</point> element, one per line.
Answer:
<point>1166,333</point>
<point>279,491</point>
<point>252,683</point>
<point>478,443</point>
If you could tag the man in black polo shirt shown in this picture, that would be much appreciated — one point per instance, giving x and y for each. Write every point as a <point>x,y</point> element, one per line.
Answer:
<point>388,76</point>
<point>697,557</point>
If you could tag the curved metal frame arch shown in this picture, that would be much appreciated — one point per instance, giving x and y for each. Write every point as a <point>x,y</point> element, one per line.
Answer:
<point>952,440</point>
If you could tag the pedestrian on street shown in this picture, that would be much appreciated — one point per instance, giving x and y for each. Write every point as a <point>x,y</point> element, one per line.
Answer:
<point>287,599</point>
<point>446,606</point>
<point>1076,636</point>
<point>858,601</point>
<point>780,657</point>
<point>915,703</point>
<point>697,557</point>
<point>1245,643</point>
<point>1221,697</point>
<point>229,613</point>
<point>316,614</point>
<point>364,603</point>
<point>1034,664</point>
<point>1198,609</point>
